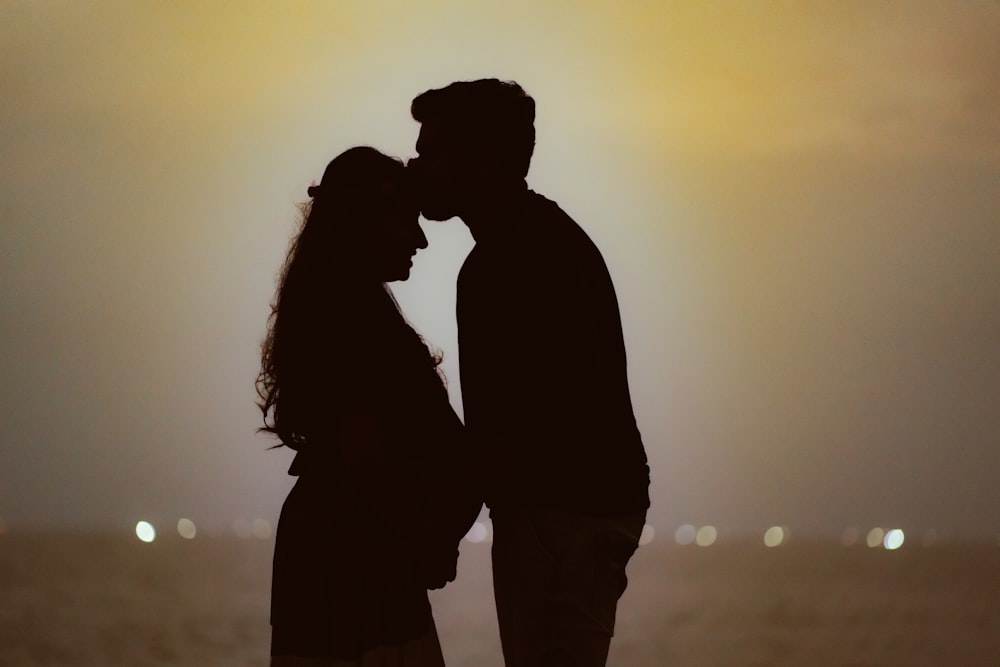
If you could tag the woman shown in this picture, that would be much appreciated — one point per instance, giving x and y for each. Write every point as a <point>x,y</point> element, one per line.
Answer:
<point>349,385</point>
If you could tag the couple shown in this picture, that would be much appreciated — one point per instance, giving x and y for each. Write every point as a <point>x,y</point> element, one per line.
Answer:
<point>389,479</point>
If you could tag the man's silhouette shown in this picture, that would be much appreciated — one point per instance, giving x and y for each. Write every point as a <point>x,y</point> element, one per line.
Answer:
<point>543,379</point>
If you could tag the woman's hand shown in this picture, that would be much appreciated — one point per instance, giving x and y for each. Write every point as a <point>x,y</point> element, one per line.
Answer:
<point>437,563</point>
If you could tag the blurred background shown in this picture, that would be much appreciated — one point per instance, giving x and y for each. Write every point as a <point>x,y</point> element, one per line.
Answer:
<point>798,203</point>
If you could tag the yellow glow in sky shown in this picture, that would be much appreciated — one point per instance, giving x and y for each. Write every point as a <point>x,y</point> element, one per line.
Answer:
<point>797,202</point>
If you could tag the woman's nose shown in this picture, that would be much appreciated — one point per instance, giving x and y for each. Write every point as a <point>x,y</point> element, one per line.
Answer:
<point>420,237</point>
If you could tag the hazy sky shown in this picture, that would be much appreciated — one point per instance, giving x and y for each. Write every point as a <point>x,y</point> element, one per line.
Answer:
<point>799,202</point>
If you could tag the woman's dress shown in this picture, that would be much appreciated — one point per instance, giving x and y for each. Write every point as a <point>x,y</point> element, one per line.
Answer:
<point>355,554</point>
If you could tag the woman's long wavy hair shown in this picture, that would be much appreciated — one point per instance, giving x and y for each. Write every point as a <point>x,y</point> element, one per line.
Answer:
<point>357,185</point>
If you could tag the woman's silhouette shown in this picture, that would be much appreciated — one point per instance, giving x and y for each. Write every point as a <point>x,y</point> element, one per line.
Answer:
<point>376,514</point>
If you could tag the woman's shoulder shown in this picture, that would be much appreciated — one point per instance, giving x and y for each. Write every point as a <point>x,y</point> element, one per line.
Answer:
<point>351,297</point>
<point>354,309</point>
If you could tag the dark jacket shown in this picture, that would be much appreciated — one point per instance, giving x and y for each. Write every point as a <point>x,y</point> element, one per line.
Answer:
<point>543,366</point>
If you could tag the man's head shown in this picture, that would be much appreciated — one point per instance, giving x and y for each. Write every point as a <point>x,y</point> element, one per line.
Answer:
<point>476,139</point>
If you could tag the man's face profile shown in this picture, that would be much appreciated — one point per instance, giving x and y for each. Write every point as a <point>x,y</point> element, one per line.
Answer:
<point>442,171</point>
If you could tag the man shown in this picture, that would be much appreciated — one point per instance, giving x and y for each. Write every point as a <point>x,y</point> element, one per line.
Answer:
<point>544,381</point>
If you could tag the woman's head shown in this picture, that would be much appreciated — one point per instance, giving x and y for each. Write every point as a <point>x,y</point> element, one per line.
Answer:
<point>362,220</point>
<point>360,232</point>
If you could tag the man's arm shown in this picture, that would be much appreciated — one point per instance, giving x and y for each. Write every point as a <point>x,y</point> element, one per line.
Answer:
<point>544,390</point>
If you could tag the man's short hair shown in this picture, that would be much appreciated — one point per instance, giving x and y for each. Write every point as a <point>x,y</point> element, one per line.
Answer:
<point>486,112</point>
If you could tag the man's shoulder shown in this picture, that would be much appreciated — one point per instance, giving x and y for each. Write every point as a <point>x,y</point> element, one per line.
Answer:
<point>556,232</point>
<point>539,237</point>
<point>541,211</point>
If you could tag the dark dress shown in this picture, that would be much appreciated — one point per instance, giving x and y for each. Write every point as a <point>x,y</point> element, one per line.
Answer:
<point>354,555</point>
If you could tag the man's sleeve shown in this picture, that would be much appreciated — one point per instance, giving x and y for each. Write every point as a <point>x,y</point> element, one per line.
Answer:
<point>555,348</point>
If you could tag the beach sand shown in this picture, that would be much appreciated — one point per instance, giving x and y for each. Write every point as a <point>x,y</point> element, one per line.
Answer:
<point>111,600</point>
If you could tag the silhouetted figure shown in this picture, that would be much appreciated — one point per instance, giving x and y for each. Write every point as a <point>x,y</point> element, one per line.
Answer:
<point>543,379</point>
<point>375,516</point>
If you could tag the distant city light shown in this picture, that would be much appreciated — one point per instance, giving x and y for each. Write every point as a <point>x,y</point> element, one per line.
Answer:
<point>647,535</point>
<point>774,536</point>
<point>850,536</point>
<point>477,533</point>
<point>706,535</point>
<point>260,528</point>
<point>145,531</point>
<point>186,528</point>
<point>685,534</point>
<point>875,537</point>
<point>893,539</point>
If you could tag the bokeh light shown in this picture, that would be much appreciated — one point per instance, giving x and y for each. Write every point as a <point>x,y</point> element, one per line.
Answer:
<point>850,536</point>
<point>477,533</point>
<point>186,528</point>
<point>893,539</point>
<point>706,536</point>
<point>685,534</point>
<point>145,531</point>
<point>647,535</point>
<point>875,537</point>
<point>774,536</point>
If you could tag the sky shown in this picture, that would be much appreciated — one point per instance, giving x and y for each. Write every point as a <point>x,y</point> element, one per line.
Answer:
<point>798,202</point>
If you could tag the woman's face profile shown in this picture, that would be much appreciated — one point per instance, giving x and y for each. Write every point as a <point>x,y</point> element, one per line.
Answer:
<point>394,240</point>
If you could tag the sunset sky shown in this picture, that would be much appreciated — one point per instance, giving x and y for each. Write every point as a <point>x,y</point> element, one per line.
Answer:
<point>799,203</point>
